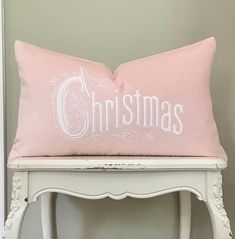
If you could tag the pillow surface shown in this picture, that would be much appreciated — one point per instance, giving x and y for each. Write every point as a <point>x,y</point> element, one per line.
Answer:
<point>157,105</point>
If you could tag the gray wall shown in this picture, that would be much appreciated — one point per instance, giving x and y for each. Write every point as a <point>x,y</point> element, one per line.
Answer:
<point>115,31</point>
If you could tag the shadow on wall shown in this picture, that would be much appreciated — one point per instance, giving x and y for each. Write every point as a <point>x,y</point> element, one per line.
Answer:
<point>223,89</point>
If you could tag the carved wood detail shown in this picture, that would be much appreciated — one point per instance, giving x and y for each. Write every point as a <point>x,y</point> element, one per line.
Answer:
<point>218,197</point>
<point>119,196</point>
<point>15,203</point>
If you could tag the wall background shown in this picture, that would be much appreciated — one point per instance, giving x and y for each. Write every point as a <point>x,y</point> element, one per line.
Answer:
<point>112,32</point>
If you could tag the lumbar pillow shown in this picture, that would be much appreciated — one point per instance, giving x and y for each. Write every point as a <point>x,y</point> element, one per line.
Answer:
<point>157,105</point>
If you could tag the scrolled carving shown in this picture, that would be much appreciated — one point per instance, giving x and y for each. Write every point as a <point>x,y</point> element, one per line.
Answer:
<point>218,196</point>
<point>116,196</point>
<point>15,203</point>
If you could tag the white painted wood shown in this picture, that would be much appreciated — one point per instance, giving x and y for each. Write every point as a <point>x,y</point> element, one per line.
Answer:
<point>2,135</point>
<point>116,163</point>
<point>46,215</point>
<point>118,179</point>
<point>19,204</point>
<point>116,184</point>
<point>185,214</point>
<point>214,202</point>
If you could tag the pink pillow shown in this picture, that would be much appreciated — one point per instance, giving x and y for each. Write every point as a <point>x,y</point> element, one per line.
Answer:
<point>157,105</point>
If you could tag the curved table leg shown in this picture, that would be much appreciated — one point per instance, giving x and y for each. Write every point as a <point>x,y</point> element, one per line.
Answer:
<point>46,215</point>
<point>214,202</point>
<point>185,214</point>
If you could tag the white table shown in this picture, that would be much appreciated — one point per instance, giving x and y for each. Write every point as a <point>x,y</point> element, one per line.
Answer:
<point>117,177</point>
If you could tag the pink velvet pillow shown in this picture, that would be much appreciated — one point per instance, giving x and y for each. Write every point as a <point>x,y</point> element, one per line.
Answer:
<point>157,105</point>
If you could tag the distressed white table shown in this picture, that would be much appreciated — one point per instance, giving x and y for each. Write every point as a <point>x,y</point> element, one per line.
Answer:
<point>95,177</point>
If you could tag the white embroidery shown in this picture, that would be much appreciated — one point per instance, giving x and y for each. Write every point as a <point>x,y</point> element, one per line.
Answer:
<point>62,110</point>
<point>82,111</point>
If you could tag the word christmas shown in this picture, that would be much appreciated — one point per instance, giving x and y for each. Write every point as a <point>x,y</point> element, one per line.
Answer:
<point>81,111</point>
